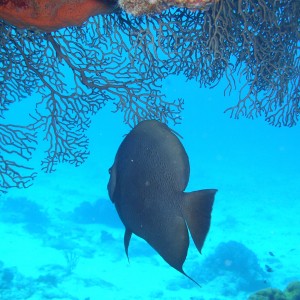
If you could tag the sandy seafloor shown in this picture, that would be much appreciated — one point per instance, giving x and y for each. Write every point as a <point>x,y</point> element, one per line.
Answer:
<point>52,248</point>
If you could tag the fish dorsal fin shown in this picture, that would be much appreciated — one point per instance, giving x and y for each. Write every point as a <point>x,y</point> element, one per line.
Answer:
<point>127,237</point>
<point>197,207</point>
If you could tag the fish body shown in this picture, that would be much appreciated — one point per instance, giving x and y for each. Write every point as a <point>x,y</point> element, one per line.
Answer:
<point>147,182</point>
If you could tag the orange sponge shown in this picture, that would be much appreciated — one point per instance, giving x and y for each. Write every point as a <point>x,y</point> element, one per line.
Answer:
<point>51,15</point>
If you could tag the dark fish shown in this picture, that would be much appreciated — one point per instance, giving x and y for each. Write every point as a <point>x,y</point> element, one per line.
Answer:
<point>147,182</point>
<point>268,268</point>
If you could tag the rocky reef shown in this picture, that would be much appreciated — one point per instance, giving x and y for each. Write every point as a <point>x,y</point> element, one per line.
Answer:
<point>292,292</point>
<point>235,261</point>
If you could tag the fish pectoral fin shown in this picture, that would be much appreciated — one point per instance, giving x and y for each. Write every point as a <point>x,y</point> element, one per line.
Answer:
<point>111,186</point>
<point>127,237</point>
<point>197,209</point>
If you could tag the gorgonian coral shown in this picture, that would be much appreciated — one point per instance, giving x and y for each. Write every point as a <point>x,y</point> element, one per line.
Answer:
<point>257,41</point>
<point>99,61</point>
<point>122,59</point>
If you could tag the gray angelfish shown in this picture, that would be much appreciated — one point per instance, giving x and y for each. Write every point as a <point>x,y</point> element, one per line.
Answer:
<point>147,182</point>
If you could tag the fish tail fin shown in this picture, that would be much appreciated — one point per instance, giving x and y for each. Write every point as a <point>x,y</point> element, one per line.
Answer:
<point>197,207</point>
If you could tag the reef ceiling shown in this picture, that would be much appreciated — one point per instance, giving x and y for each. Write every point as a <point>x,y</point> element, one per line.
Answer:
<point>120,58</point>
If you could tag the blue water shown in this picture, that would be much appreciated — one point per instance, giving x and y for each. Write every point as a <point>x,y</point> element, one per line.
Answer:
<point>62,238</point>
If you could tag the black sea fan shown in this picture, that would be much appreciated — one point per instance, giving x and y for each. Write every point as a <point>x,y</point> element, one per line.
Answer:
<point>74,72</point>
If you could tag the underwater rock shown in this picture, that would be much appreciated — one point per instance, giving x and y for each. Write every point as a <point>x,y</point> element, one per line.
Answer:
<point>52,275</point>
<point>22,210</point>
<point>234,260</point>
<point>292,291</point>
<point>98,212</point>
<point>13,285</point>
<point>268,294</point>
<point>107,237</point>
<point>48,285</point>
<point>7,276</point>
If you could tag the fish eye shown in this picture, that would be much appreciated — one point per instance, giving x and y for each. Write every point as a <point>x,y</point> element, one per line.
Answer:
<point>109,170</point>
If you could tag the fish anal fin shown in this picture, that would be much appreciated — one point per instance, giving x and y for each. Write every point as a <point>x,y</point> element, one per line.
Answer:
<point>127,237</point>
<point>197,208</point>
<point>191,278</point>
<point>168,235</point>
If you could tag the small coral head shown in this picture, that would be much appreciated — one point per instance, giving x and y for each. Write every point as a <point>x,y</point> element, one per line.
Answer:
<point>192,4</point>
<point>148,7</point>
<point>142,7</point>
